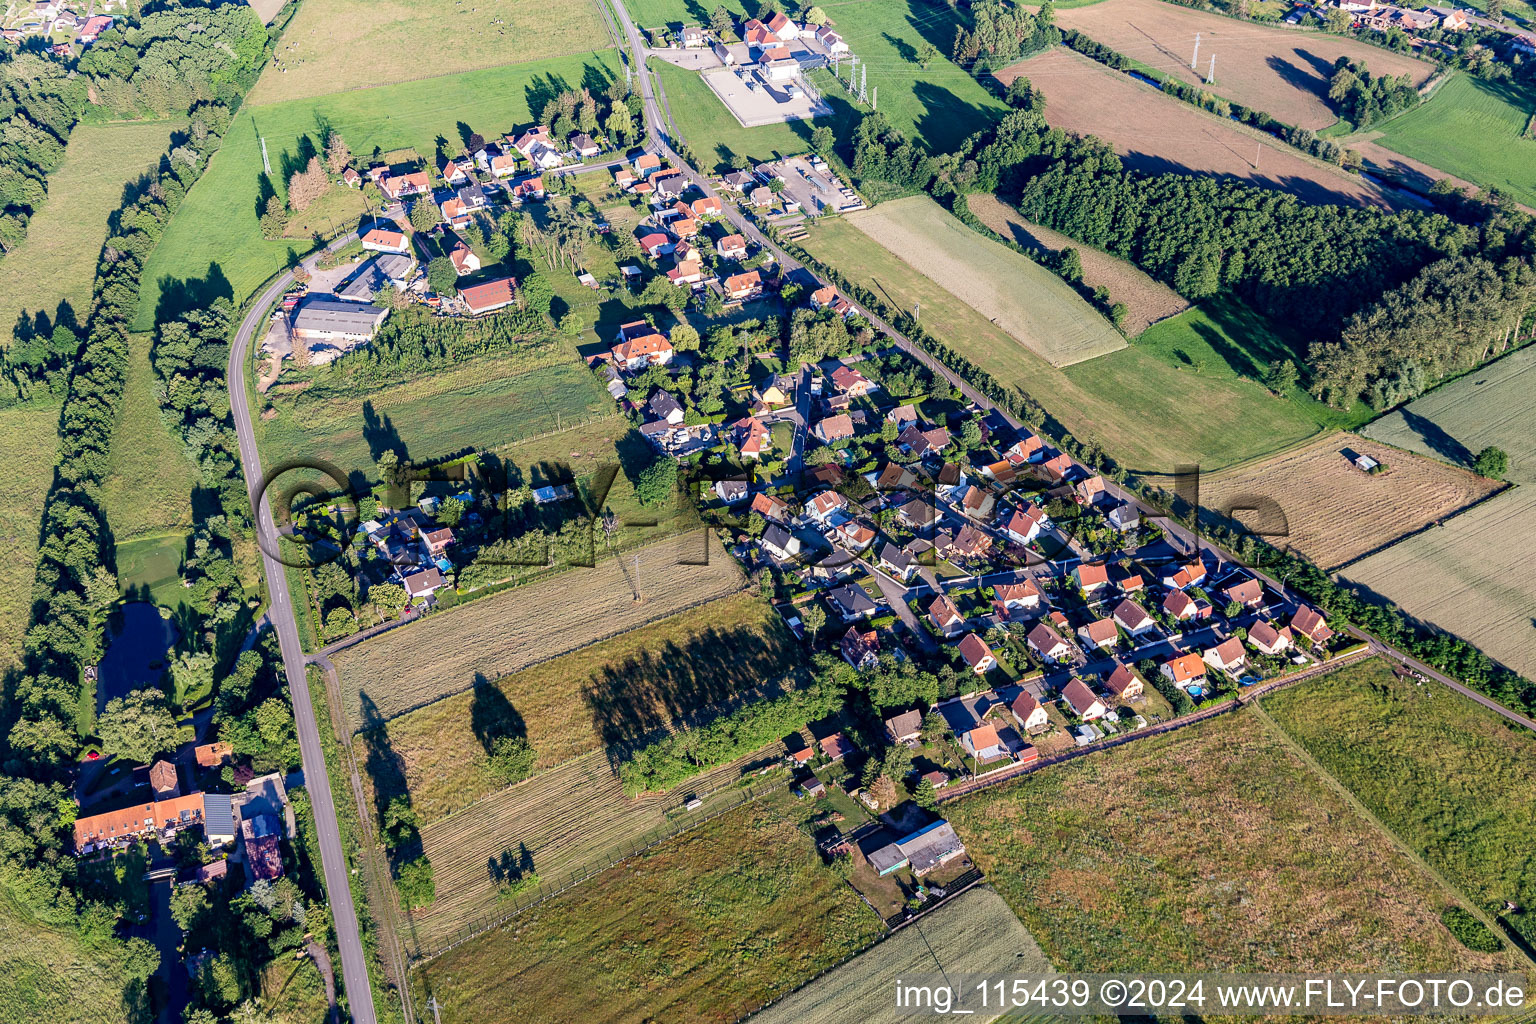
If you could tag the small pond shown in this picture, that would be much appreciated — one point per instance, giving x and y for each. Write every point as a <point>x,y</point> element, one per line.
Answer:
<point>138,654</point>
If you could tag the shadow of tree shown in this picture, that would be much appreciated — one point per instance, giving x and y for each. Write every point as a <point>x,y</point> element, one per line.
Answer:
<point>492,716</point>
<point>380,434</point>
<point>393,811</point>
<point>1439,442</point>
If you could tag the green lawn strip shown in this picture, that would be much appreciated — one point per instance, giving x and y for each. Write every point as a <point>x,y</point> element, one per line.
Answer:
<point>28,440</point>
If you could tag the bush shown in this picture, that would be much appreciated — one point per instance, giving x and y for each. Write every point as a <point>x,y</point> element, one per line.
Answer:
<point>414,881</point>
<point>1470,931</point>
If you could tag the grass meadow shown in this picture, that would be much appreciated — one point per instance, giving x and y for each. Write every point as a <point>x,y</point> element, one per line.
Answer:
<point>719,141</point>
<point>1450,778</point>
<point>1211,848</point>
<point>47,973</point>
<point>214,244</point>
<point>150,480</point>
<point>29,438</point>
<point>1474,129</point>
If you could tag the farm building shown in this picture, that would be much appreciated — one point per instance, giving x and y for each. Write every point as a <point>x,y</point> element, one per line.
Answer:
<point>922,851</point>
<point>331,321</point>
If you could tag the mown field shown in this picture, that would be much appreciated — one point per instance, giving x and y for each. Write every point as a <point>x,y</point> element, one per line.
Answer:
<point>57,262</point>
<point>1276,70</point>
<point>1473,129</point>
<point>423,662</point>
<point>214,244</point>
<point>1032,305</point>
<point>50,974</point>
<point>1449,777</point>
<point>29,440</point>
<point>1158,134</point>
<point>608,695</point>
<point>707,927</point>
<point>342,45</point>
<point>1147,300</point>
<point>1211,848</point>
<point>1333,511</point>
<point>972,934</point>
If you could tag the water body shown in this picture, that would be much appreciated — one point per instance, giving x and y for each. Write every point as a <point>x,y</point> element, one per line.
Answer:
<point>138,655</point>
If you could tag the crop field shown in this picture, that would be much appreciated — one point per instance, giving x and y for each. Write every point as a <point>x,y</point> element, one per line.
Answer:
<point>1472,577</point>
<point>1147,300</point>
<point>1158,134</point>
<point>50,974</point>
<point>1495,405</point>
<point>1473,129</point>
<point>1449,777</point>
<point>56,263</point>
<point>423,662</point>
<point>567,820</point>
<point>214,245</point>
<point>705,928</point>
<point>605,695</point>
<point>341,45</point>
<point>971,934</point>
<point>1279,71</point>
<point>1211,848</point>
<point>1032,305</point>
<point>1335,513</point>
<point>29,437</point>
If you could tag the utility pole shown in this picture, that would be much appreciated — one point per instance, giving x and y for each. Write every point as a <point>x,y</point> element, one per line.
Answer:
<point>874,99</point>
<point>1258,147</point>
<point>916,308</point>
<point>1211,75</point>
<point>1196,58</point>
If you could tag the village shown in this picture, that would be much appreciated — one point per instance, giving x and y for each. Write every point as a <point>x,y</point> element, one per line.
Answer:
<point>69,27</point>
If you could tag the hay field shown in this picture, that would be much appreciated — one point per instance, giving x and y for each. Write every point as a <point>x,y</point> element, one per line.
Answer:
<point>1495,405</point>
<point>1334,512</point>
<point>340,45</point>
<point>1158,134</point>
<point>569,819</point>
<point>1473,577</point>
<point>1147,300</point>
<point>1280,71</point>
<point>705,928</point>
<point>1210,848</point>
<point>423,662</point>
<point>53,974</point>
<point>29,439</point>
<point>607,694</point>
<point>1034,306</point>
<point>975,933</point>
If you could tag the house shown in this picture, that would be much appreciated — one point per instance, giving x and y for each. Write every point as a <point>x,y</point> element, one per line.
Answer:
<point>861,650</point>
<point>922,442</point>
<point>1249,593</point>
<point>1227,655</point>
<point>114,828</point>
<point>1132,617</point>
<point>897,561</point>
<point>751,437</point>
<point>664,407</point>
<point>1186,668</point>
<point>163,781</point>
<point>977,654</point>
<point>413,184</point>
<point>1025,522</point>
<point>1023,596</point>
<point>1124,517</point>
<point>969,542</point>
<point>685,227</point>
<point>452,173</point>
<point>640,346</point>
<point>647,164</point>
<point>1310,623</point>
<point>738,181</point>
<point>775,394</point>
<point>1266,639</point>
<point>708,206</point>
<point>852,383</point>
<point>328,320</point>
<point>723,54</point>
<point>1099,633</point>
<point>657,243</point>
<point>770,508</point>
<point>834,43</point>
<point>895,477</point>
<point>503,165</point>
<point>686,273</point>
<point>489,295</point>
<point>755,33</point>
<point>1048,644</point>
<point>1090,490</point>
<point>350,178</point>
<point>929,848</point>
<point>732,247</point>
<point>1128,580</point>
<point>623,178</point>
<point>1187,576</point>
<point>836,747</point>
<point>1029,712</point>
<point>211,755</point>
<point>1090,577</point>
<point>905,727</point>
<point>463,259</point>
<point>742,286</point>
<point>474,197</point>
<point>782,27</point>
<point>918,513</point>
<point>978,503</point>
<point>833,429</point>
<point>422,584</point>
<point>385,240</point>
<point>732,492</point>
<point>584,145</point>
<point>528,188</point>
<point>670,186</point>
<point>1000,472</point>
<point>1058,466</point>
<point>94,27</point>
<point>1124,683</point>
<point>1083,701</point>
<point>693,37</point>
<point>823,297</point>
<point>944,615</point>
<point>824,505</point>
<point>780,543</point>
<point>903,416</point>
<point>1025,450</point>
<point>1179,605</point>
<point>853,535</point>
<point>851,602</point>
<point>762,197</point>
<point>438,540</point>
<point>983,743</point>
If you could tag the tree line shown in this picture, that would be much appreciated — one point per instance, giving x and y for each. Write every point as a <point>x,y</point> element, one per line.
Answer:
<point>39,105</point>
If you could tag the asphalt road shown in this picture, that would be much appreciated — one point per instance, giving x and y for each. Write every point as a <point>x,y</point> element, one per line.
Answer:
<point>333,860</point>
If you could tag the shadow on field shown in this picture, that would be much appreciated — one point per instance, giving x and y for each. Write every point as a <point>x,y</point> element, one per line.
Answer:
<point>493,717</point>
<point>393,811</point>
<point>1439,442</point>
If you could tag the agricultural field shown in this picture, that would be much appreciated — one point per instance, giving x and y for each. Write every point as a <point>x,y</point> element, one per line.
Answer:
<point>47,973</point>
<point>55,265</point>
<point>417,664</point>
<point>605,695</point>
<point>971,934</point>
<point>1279,71</point>
<point>341,45</point>
<point>1450,778</point>
<point>1032,305</point>
<point>29,438</point>
<point>214,245</point>
<point>1471,576</point>
<point>1158,134</point>
<point>1334,512</point>
<point>1147,300</point>
<point>1211,848</point>
<point>705,928</point>
<point>1493,405</point>
<point>1474,129</point>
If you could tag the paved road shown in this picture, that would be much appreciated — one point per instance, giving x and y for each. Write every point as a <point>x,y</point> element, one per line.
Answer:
<point>333,860</point>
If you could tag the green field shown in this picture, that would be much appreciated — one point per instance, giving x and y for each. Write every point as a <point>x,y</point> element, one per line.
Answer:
<point>29,439</point>
<point>1473,128</point>
<point>153,564</point>
<point>214,245</point>
<point>718,140</point>
<point>1452,779</point>
<point>57,262</point>
<point>51,974</point>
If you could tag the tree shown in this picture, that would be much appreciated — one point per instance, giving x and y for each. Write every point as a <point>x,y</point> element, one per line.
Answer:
<point>388,598</point>
<point>1069,265</point>
<point>657,482</point>
<point>816,16</point>
<point>620,123</point>
<point>537,293</point>
<point>441,276</point>
<point>424,215</point>
<point>305,186</point>
<point>1494,9</point>
<point>274,219</point>
<point>1491,462</point>
<point>926,54</point>
<point>720,21</point>
<point>451,511</point>
<point>572,324</point>
<point>138,726</point>
<point>685,338</point>
<point>337,155</point>
<point>926,796</point>
<point>822,139</point>
<point>1281,376</point>
<point>884,791</point>
<point>414,881</point>
<point>511,758</point>
<point>188,903</point>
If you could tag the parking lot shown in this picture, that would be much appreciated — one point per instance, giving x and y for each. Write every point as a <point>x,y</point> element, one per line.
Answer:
<point>765,104</point>
<point>815,190</point>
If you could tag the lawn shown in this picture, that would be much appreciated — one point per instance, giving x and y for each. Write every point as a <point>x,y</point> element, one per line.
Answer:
<point>29,437</point>
<point>214,245</point>
<point>340,45</point>
<point>1474,129</point>
<point>707,927</point>
<point>1210,848</point>
<point>1450,778</point>
<point>48,973</point>
<point>153,564</point>
<point>56,264</point>
<point>718,140</point>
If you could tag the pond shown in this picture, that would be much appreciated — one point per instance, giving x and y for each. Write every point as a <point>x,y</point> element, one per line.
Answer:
<point>138,654</point>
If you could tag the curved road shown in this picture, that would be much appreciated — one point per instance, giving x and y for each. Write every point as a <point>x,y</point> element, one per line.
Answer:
<point>333,859</point>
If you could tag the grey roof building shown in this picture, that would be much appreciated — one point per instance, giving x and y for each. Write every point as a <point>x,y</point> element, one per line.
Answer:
<point>329,319</point>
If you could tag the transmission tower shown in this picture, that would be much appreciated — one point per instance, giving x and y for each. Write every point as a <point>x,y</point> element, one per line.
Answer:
<point>853,69</point>
<point>1211,75</point>
<point>266,164</point>
<point>863,82</point>
<point>874,99</point>
<point>1196,58</point>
